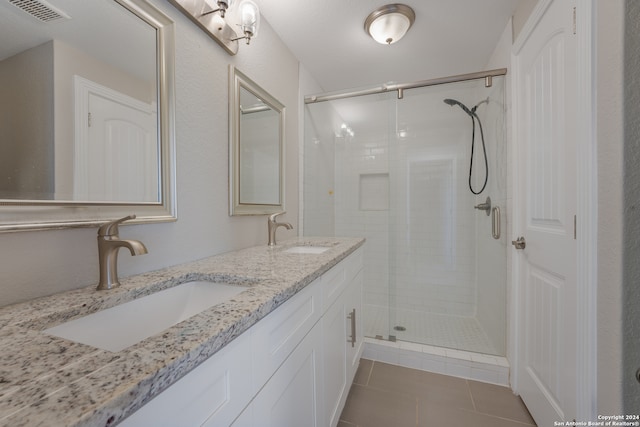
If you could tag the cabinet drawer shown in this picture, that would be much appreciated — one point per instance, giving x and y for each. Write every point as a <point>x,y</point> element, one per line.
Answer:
<point>275,336</point>
<point>336,280</point>
<point>217,390</point>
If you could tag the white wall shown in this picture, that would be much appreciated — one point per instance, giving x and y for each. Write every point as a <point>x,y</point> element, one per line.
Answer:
<point>631,308</point>
<point>521,15</point>
<point>44,262</point>
<point>26,116</point>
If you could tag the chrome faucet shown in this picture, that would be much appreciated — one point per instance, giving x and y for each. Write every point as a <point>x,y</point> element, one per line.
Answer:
<point>108,245</point>
<point>273,225</point>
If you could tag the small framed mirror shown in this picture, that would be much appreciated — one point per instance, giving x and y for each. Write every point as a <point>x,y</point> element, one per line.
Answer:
<point>256,148</point>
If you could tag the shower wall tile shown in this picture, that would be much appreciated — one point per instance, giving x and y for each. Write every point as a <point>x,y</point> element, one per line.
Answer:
<point>354,159</point>
<point>434,264</point>
<point>318,199</point>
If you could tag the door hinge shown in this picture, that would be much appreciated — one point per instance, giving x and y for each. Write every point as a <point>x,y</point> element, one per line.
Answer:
<point>89,119</point>
<point>575,227</point>
<point>574,21</point>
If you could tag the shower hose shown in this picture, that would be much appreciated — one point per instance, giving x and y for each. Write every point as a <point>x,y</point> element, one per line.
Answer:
<point>475,117</point>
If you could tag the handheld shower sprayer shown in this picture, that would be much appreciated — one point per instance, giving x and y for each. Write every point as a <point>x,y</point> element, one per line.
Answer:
<point>472,113</point>
<point>453,102</point>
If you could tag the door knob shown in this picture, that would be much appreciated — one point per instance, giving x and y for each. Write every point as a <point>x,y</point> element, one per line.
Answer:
<point>519,243</point>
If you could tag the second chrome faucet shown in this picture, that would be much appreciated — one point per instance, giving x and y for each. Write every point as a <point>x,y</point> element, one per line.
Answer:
<point>273,226</point>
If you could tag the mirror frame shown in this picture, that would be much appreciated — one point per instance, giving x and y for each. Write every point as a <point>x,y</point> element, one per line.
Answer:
<point>26,215</point>
<point>239,80</point>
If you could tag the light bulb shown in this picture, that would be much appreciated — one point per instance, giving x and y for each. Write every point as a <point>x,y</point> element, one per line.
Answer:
<point>249,19</point>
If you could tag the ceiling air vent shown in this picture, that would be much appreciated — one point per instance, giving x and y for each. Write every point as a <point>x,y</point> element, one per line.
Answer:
<point>40,9</point>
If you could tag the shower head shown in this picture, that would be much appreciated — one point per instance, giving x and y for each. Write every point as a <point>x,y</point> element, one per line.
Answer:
<point>453,102</point>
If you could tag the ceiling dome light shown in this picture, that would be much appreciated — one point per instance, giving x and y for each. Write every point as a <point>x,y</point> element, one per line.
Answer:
<point>389,23</point>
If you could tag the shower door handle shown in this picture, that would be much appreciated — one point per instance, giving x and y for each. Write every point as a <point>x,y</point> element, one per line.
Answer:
<point>495,222</point>
<point>519,243</point>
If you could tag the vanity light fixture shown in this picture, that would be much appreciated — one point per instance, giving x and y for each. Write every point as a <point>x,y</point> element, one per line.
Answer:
<point>219,18</point>
<point>388,24</point>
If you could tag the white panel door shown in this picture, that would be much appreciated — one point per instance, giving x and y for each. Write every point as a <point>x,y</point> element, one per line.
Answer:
<point>545,203</point>
<point>116,146</point>
<point>122,152</point>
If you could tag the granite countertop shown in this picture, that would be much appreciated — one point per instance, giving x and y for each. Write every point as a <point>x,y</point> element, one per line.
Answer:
<point>50,381</point>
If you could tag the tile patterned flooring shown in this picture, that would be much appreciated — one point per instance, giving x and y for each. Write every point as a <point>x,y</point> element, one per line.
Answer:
<point>384,395</point>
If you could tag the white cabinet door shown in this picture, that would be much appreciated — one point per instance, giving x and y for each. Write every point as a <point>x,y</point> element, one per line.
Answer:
<point>216,391</point>
<point>290,398</point>
<point>334,345</point>
<point>354,327</point>
<point>275,336</point>
<point>342,338</point>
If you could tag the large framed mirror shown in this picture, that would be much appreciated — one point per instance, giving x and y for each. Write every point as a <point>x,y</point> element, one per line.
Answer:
<point>256,147</point>
<point>86,113</point>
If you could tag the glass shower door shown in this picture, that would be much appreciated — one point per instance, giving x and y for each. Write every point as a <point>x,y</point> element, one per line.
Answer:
<point>396,171</point>
<point>346,187</point>
<point>437,284</point>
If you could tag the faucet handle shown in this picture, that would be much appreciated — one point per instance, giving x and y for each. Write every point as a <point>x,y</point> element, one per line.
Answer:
<point>272,217</point>
<point>111,228</point>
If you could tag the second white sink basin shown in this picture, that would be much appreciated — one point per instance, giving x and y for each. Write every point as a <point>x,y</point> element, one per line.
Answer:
<point>119,327</point>
<point>307,250</point>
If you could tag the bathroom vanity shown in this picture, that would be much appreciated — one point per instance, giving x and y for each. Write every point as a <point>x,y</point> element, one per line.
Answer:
<point>283,351</point>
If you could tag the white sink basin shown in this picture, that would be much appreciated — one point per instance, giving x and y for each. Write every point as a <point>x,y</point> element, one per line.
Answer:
<point>119,327</point>
<point>307,249</point>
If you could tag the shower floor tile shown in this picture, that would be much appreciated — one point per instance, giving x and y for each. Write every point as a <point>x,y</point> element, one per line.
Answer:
<point>385,395</point>
<point>456,332</point>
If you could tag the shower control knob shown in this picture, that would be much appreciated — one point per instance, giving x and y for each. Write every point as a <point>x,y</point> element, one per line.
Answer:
<point>519,243</point>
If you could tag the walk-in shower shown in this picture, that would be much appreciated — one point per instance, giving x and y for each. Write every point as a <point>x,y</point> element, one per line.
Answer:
<point>393,165</point>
